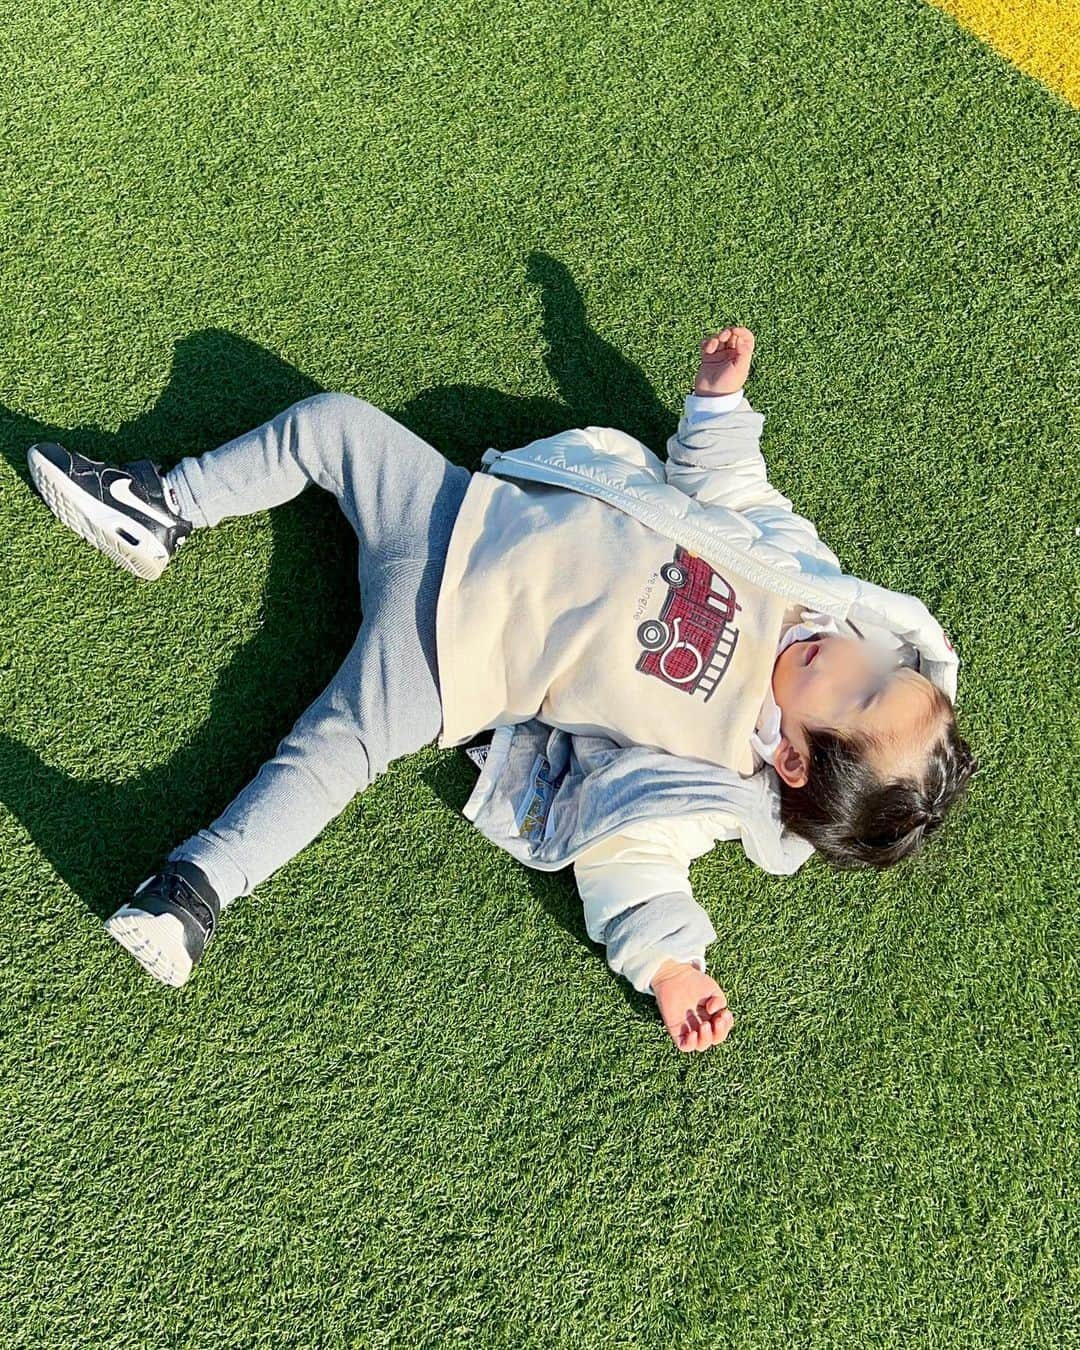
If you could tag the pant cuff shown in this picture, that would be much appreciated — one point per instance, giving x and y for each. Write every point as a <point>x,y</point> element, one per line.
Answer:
<point>227,879</point>
<point>176,479</point>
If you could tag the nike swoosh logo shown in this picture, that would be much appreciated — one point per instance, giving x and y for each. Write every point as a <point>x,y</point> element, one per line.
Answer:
<point>120,488</point>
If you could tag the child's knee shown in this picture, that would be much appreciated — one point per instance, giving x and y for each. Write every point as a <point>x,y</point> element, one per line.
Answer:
<point>329,775</point>
<point>338,410</point>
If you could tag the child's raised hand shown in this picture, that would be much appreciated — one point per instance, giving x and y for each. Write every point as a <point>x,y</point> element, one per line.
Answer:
<point>725,362</point>
<point>693,1006</point>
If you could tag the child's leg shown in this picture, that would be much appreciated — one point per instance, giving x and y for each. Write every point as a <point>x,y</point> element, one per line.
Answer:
<point>402,498</point>
<point>139,519</point>
<point>382,703</point>
<point>387,480</point>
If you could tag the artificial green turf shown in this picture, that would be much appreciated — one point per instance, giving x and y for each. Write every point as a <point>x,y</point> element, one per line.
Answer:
<point>404,1103</point>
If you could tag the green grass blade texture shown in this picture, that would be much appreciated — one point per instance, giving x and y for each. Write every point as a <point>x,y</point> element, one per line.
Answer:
<point>404,1103</point>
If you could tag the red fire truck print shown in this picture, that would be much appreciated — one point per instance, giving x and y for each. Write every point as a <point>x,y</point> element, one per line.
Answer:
<point>691,642</point>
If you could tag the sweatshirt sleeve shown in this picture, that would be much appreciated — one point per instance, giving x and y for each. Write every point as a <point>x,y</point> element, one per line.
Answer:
<point>635,887</point>
<point>715,457</point>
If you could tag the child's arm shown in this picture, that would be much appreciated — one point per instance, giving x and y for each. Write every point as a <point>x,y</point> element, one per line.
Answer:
<point>715,455</point>
<point>638,902</point>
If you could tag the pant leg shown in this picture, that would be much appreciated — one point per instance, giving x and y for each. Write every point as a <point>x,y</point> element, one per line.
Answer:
<point>386,479</point>
<point>402,498</point>
<point>382,703</point>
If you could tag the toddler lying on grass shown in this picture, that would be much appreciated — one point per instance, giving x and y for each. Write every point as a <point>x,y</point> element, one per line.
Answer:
<point>643,657</point>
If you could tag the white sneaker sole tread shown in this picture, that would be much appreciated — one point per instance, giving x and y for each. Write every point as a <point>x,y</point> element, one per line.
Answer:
<point>156,941</point>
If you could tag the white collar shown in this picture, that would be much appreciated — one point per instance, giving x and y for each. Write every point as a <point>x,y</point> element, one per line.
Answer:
<point>765,740</point>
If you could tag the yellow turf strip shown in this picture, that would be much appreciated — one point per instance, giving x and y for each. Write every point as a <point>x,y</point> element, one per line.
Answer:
<point>1042,37</point>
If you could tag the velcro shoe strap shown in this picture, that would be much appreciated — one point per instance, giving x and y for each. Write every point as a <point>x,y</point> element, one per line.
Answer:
<point>196,932</point>
<point>197,909</point>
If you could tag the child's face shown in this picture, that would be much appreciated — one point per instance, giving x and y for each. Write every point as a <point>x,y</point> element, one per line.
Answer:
<point>844,684</point>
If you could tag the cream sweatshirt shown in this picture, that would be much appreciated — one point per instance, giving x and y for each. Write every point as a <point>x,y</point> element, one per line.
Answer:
<point>558,606</point>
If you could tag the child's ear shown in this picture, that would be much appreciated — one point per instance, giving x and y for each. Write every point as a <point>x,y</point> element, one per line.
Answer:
<point>790,764</point>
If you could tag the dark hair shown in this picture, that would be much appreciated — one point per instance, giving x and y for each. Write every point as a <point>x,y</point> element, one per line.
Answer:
<point>854,818</point>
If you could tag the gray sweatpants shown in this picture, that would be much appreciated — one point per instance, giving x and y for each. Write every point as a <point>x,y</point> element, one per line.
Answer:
<point>401,497</point>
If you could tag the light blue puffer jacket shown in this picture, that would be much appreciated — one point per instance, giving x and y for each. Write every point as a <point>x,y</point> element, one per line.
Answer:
<point>631,820</point>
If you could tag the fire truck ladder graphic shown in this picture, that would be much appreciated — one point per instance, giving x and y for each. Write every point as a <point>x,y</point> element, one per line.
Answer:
<point>718,662</point>
<point>726,643</point>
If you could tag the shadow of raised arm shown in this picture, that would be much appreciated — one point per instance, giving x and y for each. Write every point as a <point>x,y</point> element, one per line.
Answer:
<point>599,386</point>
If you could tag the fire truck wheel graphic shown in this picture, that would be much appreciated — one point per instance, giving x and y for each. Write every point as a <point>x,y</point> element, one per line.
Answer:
<point>652,635</point>
<point>674,575</point>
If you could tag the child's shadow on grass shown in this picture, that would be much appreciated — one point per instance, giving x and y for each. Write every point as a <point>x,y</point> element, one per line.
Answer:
<point>103,837</point>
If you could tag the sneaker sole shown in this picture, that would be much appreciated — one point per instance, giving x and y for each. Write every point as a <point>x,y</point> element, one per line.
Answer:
<point>152,940</point>
<point>97,523</point>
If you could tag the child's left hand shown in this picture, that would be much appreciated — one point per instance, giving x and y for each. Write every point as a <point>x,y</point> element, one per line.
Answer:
<point>693,1006</point>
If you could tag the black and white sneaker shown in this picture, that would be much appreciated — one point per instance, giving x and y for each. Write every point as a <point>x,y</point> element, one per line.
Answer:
<point>168,922</point>
<point>122,509</point>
